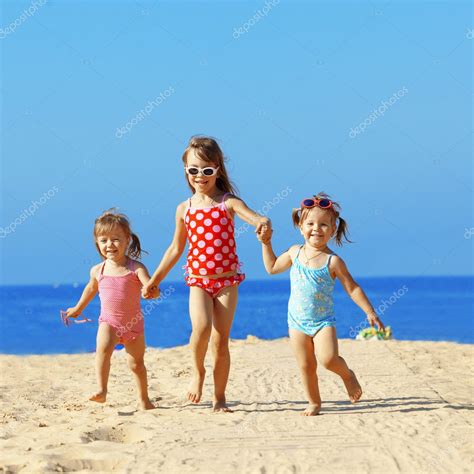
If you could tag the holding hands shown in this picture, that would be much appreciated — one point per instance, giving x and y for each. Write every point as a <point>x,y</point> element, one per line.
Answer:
<point>264,230</point>
<point>150,291</point>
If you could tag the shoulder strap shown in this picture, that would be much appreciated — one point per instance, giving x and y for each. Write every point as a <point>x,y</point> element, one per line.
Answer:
<point>131,265</point>
<point>102,268</point>
<point>299,250</point>
<point>329,259</point>
<point>223,205</point>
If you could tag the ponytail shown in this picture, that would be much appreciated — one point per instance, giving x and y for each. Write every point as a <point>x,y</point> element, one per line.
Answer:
<point>135,249</point>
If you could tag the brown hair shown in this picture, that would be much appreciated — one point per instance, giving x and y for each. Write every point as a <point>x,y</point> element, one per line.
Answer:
<point>111,219</point>
<point>342,230</point>
<point>207,149</point>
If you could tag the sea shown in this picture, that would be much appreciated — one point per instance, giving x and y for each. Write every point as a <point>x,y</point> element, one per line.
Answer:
<point>417,309</point>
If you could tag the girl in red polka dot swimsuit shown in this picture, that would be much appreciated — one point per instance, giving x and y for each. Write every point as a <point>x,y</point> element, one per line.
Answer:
<point>206,222</point>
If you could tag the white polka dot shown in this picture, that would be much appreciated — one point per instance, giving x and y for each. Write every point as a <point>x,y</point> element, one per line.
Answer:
<point>215,214</point>
<point>231,255</point>
<point>200,216</point>
<point>196,264</point>
<point>218,257</point>
<point>210,250</point>
<point>225,235</point>
<point>205,280</point>
<point>226,263</point>
<point>216,228</point>
<point>219,270</point>
<point>227,283</point>
<point>208,222</point>
<point>192,225</point>
<point>192,211</point>
<point>230,229</point>
<point>203,271</point>
<point>233,266</point>
<point>209,236</point>
<point>210,265</point>
<point>194,238</point>
<point>218,285</point>
<point>231,242</point>
<point>201,244</point>
<point>218,242</point>
<point>225,249</point>
<point>202,258</point>
<point>200,230</point>
<point>187,219</point>
<point>193,280</point>
<point>224,221</point>
<point>195,252</point>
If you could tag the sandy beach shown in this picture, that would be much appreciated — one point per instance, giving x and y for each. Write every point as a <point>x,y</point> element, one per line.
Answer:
<point>415,415</point>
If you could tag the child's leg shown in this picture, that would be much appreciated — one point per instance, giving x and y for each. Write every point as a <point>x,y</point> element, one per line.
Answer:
<point>106,342</point>
<point>327,351</point>
<point>136,352</point>
<point>225,305</point>
<point>200,309</point>
<point>303,349</point>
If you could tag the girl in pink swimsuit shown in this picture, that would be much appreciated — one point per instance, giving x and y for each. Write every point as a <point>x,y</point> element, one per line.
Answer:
<point>206,222</point>
<point>118,280</point>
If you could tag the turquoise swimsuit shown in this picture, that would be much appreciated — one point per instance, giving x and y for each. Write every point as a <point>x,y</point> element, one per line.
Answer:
<point>311,305</point>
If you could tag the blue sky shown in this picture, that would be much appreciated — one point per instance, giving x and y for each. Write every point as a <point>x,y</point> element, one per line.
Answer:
<point>283,85</point>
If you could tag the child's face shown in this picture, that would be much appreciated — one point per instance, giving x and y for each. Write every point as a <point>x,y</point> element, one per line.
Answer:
<point>318,227</point>
<point>201,183</point>
<point>114,244</point>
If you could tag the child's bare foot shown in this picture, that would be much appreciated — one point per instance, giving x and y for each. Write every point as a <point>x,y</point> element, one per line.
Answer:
<point>353,388</point>
<point>195,390</point>
<point>99,397</point>
<point>146,405</point>
<point>220,406</point>
<point>311,410</point>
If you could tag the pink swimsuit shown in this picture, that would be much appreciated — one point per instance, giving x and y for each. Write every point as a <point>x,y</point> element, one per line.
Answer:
<point>212,249</point>
<point>120,303</point>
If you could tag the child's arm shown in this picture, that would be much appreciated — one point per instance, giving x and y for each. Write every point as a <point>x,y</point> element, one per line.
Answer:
<point>88,295</point>
<point>172,254</point>
<point>274,264</point>
<point>339,269</point>
<point>238,206</point>
<point>144,277</point>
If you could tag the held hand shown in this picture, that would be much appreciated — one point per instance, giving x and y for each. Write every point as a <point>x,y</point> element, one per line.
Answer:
<point>265,235</point>
<point>154,293</point>
<point>149,290</point>
<point>263,222</point>
<point>375,320</point>
<point>72,312</point>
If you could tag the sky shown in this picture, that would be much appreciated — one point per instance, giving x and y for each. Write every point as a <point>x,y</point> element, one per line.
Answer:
<point>368,101</point>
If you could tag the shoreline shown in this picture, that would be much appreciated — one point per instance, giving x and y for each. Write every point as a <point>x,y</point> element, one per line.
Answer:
<point>236,340</point>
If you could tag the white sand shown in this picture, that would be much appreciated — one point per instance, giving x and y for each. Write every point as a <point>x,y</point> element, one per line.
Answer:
<point>415,415</point>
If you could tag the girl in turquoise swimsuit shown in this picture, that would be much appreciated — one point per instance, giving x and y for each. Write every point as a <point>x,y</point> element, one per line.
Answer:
<point>314,268</point>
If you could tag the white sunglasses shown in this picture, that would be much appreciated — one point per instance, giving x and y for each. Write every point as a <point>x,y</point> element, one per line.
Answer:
<point>194,170</point>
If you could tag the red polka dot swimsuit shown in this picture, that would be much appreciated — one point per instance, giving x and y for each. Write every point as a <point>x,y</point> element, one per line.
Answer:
<point>212,249</point>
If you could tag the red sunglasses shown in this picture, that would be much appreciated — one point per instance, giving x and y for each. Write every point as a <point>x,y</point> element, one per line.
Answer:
<point>323,203</point>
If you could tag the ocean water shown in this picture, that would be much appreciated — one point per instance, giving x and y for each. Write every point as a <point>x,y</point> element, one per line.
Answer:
<point>432,308</point>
